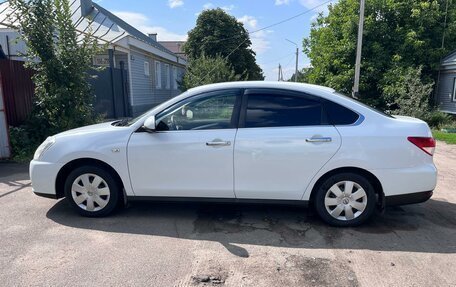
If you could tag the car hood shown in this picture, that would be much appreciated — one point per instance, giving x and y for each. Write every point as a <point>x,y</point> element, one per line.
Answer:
<point>97,128</point>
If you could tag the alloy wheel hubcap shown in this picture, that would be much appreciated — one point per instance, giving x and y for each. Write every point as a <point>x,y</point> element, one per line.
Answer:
<point>345,200</point>
<point>90,192</point>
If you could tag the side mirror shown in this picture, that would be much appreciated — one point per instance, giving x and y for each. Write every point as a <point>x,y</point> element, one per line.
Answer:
<point>149,124</point>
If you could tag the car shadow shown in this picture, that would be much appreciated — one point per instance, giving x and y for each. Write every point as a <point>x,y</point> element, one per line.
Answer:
<point>15,176</point>
<point>428,227</point>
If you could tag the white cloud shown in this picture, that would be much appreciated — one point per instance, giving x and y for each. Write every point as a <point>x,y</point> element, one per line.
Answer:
<point>208,6</point>
<point>142,23</point>
<point>228,8</point>
<point>259,39</point>
<point>249,21</point>
<point>282,2</point>
<point>175,3</point>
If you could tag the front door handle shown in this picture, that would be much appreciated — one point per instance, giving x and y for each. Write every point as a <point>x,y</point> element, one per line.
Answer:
<point>318,140</point>
<point>218,143</point>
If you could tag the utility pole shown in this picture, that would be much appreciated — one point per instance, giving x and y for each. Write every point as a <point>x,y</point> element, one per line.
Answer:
<point>296,68</point>
<point>358,49</point>
<point>280,70</point>
<point>297,55</point>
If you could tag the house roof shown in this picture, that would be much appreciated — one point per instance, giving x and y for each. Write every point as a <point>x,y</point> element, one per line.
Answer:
<point>94,19</point>
<point>130,29</point>
<point>450,57</point>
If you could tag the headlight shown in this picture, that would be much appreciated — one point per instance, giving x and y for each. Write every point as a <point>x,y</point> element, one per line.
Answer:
<point>44,147</point>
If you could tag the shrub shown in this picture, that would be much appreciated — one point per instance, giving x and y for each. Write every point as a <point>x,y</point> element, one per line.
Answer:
<point>406,93</point>
<point>61,60</point>
<point>23,145</point>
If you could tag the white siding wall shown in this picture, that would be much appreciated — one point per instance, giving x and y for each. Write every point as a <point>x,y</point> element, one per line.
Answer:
<point>142,85</point>
<point>144,88</point>
<point>16,46</point>
<point>445,91</point>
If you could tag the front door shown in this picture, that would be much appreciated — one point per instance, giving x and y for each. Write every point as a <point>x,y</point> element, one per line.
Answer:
<point>191,153</point>
<point>282,142</point>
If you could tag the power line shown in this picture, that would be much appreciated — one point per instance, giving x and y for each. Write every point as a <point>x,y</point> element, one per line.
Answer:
<point>264,28</point>
<point>278,59</point>
<point>274,24</point>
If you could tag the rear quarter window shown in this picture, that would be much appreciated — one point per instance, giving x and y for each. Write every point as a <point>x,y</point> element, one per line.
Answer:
<point>339,115</point>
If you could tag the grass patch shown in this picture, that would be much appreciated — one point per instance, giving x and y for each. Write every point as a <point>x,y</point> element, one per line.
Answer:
<point>449,138</point>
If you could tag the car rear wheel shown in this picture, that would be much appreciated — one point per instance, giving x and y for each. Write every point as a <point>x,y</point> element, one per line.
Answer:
<point>92,191</point>
<point>346,199</point>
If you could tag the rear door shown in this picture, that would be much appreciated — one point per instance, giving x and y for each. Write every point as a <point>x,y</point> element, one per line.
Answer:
<point>283,140</point>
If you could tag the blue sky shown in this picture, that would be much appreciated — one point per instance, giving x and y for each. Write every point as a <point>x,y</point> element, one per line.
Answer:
<point>172,19</point>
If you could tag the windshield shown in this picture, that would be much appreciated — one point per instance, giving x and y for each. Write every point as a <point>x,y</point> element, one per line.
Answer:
<point>127,121</point>
<point>364,105</point>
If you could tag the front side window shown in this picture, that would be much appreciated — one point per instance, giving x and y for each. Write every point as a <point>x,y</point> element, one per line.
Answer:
<point>276,110</point>
<point>209,111</point>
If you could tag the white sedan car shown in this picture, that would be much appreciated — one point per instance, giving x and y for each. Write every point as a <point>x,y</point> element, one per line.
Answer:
<point>245,142</point>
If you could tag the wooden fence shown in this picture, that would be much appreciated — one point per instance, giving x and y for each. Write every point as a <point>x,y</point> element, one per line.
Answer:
<point>17,88</point>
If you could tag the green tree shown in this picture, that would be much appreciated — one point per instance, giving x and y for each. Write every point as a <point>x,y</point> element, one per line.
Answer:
<point>207,70</point>
<point>303,76</point>
<point>397,34</point>
<point>61,60</point>
<point>217,33</point>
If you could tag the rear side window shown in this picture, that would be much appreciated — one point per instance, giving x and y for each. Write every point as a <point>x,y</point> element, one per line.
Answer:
<point>276,110</point>
<point>340,115</point>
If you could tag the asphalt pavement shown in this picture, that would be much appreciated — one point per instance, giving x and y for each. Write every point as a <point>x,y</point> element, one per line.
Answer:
<point>44,243</point>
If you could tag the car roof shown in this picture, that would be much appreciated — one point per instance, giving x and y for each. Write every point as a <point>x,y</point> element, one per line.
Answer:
<point>302,87</point>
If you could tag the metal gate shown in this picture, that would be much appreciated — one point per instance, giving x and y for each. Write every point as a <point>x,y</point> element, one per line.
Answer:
<point>4,135</point>
<point>110,87</point>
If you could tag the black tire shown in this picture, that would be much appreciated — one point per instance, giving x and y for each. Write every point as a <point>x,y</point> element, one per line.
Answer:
<point>323,189</point>
<point>108,178</point>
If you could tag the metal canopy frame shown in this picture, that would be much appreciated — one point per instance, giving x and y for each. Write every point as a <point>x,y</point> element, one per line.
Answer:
<point>8,19</point>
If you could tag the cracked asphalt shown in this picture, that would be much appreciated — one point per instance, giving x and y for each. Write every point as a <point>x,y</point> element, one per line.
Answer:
<point>44,243</point>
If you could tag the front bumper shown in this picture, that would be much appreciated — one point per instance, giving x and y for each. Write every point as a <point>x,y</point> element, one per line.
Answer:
<point>43,176</point>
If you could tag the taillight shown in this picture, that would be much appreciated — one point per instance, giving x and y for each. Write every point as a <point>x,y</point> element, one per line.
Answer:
<point>426,144</point>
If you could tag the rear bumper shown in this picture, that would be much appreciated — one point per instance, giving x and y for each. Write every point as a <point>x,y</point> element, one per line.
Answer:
<point>407,182</point>
<point>43,176</point>
<point>409,198</point>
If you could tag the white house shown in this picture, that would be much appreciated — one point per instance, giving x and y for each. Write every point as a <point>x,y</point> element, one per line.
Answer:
<point>152,70</point>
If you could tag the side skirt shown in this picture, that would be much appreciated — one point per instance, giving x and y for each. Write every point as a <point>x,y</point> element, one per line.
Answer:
<point>217,200</point>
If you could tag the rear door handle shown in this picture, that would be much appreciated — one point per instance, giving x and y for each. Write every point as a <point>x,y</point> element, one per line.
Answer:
<point>218,143</point>
<point>317,140</point>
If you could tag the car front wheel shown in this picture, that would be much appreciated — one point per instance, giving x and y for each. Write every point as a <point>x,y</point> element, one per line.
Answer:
<point>346,199</point>
<point>92,191</point>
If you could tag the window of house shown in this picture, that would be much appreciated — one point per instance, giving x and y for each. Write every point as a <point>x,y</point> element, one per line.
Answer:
<point>275,110</point>
<point>453,98</point>
<point>158,75</point>
<point>146,69</point>
<point>167,76</point>
<point>175,79</point>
